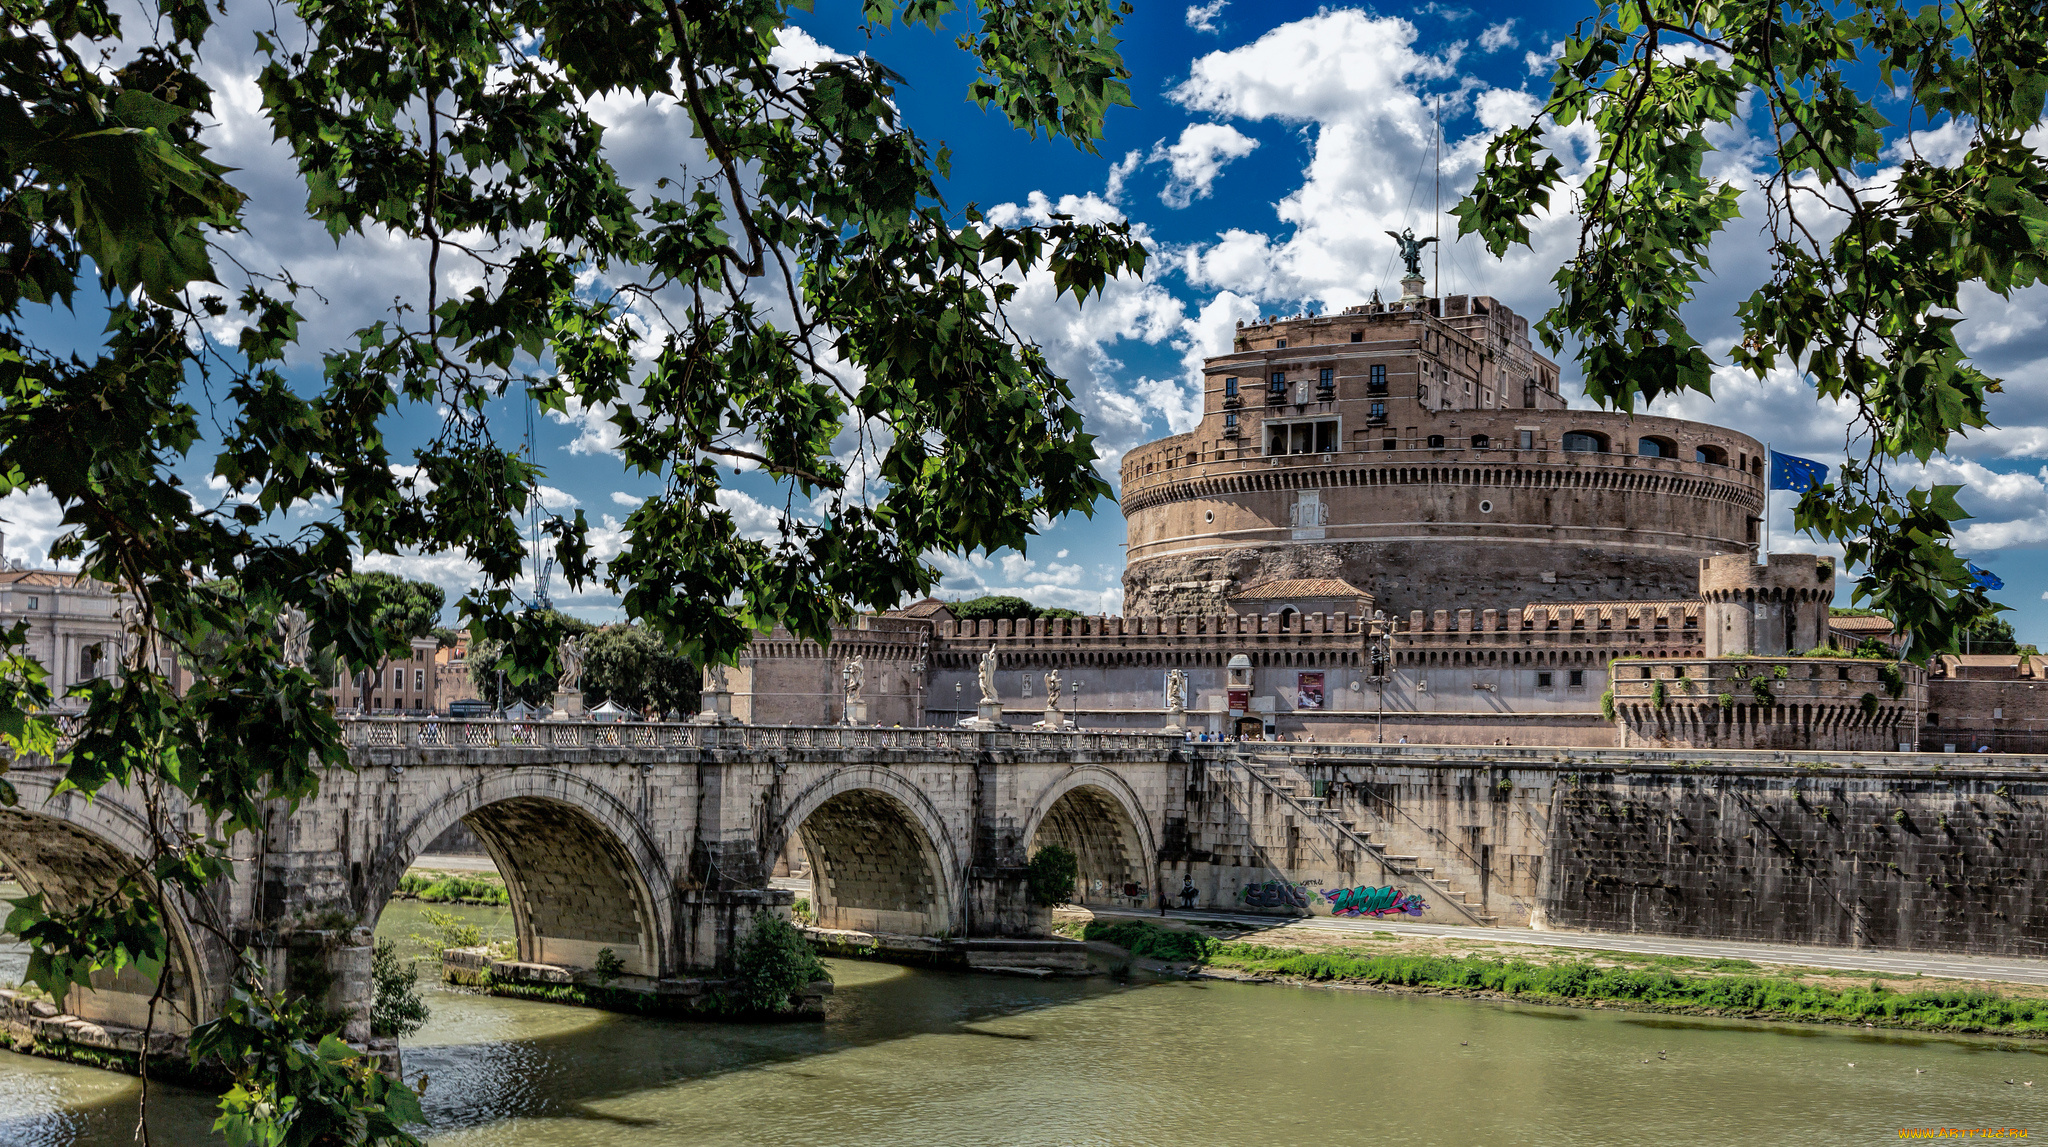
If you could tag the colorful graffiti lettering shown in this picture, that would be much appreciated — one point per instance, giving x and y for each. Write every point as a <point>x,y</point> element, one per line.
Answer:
<point>1366,901</point>
<point>1274,894</point>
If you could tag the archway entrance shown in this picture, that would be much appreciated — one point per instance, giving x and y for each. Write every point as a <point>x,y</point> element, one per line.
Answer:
<point>576,888</point>
<point>1112,865</point>
<point>71,866</point>
<point>874,867</point>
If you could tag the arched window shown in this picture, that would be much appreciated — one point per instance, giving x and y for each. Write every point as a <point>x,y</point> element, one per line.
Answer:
<point>1287,620</point>
<point>1710,455</point>
<point>90,659</point>
<point>1656,448</point>
<point>1581,442</point>
<point>1479,442</point>
<point>1436,442</point>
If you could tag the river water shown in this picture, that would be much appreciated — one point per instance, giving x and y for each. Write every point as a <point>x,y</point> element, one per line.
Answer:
<point>924,1057</point>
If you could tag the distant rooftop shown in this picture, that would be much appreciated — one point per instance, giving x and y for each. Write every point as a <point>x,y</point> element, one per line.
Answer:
<point>1288,589</point>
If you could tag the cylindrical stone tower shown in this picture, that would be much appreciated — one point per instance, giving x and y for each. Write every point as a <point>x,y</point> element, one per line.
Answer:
<point>1765,609</point>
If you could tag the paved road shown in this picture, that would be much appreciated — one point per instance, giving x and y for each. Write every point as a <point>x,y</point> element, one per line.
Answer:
<point>2016,971</point>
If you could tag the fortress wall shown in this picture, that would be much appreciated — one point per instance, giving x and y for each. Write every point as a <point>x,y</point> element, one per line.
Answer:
<point>1925,861</point>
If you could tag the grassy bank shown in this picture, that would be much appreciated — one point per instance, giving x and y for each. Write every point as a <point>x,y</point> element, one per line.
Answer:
<point>453,888</point>
<point>1704,987</point>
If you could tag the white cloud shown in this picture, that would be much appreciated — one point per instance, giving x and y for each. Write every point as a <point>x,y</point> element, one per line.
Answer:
<point>1540,64</point>
<point>1202,17</point>
<point>630,501</point>
<point>557,500</point>
<point>1121,170</point>
<point>1498,36</point>
<point>31,520</point>
<point>1059,585</point>
<point>1198,157</point>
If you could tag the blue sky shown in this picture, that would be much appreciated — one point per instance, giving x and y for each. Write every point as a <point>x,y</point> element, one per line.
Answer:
<point>1271,146</point>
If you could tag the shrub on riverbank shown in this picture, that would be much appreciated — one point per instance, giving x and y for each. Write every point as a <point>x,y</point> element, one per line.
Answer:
<point>452,888</point>
<point>1152,942</point>
<point>774,964</point>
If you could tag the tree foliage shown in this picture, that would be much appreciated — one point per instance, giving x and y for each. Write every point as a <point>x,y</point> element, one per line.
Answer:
<point>1003,605</point>
<point>1051,875</point>
<point>488,659</point>
<point>630,665</point>
<point>797,272</point>
<point>774,963</point>
<point>397,1009</point>
<point>1867,267</point>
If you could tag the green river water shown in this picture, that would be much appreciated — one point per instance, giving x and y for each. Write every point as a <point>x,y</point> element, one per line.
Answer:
<point>922,1057</point>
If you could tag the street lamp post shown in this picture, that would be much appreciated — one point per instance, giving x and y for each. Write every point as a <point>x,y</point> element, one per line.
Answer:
<point>1378,643</point>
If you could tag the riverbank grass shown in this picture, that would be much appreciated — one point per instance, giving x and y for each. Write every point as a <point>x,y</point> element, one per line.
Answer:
<point>1737,988</point>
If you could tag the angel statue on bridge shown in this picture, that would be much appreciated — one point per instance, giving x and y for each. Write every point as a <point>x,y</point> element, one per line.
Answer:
<point>988,675</point>
<point>855,675</point>
<point>570,657</point>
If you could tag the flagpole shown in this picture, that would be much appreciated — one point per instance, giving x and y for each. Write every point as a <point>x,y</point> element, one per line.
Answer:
<point>1764,550</point>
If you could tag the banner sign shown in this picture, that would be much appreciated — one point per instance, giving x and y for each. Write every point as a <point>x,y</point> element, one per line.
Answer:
<point>1308,691</point>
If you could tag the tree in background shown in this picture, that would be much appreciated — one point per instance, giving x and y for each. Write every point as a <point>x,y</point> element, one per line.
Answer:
<point>628,664</point>
<point>795,269</point>
<point>398,605</point>
<point>1872,242</point>
<point>1003,605</point>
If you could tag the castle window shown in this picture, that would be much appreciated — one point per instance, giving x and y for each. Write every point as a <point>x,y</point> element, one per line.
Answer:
<point>1388,444</point>
<point>1656,448</point>
<point>1581,442</point>
<point>1326,379</point>
<point>1480,441</point>
<point>1376,379</point>
<point>419,679</point>
<point>1230,388</point>
<point>1529,396</point>
<point>1543,681</point>
<point>1436,442</point>
<point>35,603</point>
<point>1358,336</point>
<point>1379,412</point>
<point>1577,679</point>
<point>1841,672</point>
<point>1710,455</point>
<point>1934,718</point>
<point>1230,419</point>
<point>1280,344</point>
<point>1525,439</point>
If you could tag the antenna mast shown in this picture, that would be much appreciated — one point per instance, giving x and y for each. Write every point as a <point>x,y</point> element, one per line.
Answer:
<point>1438,215</point>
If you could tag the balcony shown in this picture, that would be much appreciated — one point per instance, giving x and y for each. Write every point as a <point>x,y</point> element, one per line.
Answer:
<point>1232,401</point>
<point>1276,397</point>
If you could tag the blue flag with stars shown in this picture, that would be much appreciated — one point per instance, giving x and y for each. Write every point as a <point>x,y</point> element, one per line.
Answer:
<point>1983,579</point>
<point>1789,472</point>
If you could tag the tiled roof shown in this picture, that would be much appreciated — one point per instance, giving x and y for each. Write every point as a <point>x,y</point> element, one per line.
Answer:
<point>57,578</point>
<point>1874,625</point>
<point>929,607</point>
<point>1284,589</point>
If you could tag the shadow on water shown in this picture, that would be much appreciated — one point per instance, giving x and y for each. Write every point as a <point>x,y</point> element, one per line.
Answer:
<point>494,1059</point>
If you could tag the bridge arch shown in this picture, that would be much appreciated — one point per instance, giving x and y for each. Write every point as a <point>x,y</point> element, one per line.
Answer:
<point>581,870</point>
<point>1096,815</point>
<point>72,850</point>
<point>881,857</point>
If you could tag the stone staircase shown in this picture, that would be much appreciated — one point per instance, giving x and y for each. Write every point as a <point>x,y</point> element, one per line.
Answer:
<point>1278,776</point>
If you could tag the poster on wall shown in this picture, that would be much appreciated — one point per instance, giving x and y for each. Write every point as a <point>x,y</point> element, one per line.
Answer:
<point>1240,700</point>
<point>1308,691</point>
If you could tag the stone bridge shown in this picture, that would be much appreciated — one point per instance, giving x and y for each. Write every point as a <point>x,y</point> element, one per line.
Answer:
<point>656,841</point>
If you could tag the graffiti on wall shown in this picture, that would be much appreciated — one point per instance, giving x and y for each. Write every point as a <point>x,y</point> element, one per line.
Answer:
<point>1368,901</point>
<point>1274,894</point>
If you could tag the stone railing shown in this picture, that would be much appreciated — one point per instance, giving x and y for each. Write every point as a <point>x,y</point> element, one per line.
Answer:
<point>431,732</point>
<point>1570,760</point>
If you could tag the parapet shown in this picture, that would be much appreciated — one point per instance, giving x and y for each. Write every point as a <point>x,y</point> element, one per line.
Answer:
<point>1788,577</point>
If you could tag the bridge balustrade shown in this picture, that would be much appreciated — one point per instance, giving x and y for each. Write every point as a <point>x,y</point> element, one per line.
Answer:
<point>487,733</point>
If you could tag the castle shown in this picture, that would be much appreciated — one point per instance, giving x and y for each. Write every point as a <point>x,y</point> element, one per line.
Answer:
<point>1389,526</point>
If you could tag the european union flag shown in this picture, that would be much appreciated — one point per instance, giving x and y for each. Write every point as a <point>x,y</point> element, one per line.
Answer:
<point>1982,578</point>
<point>1793,473</point>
